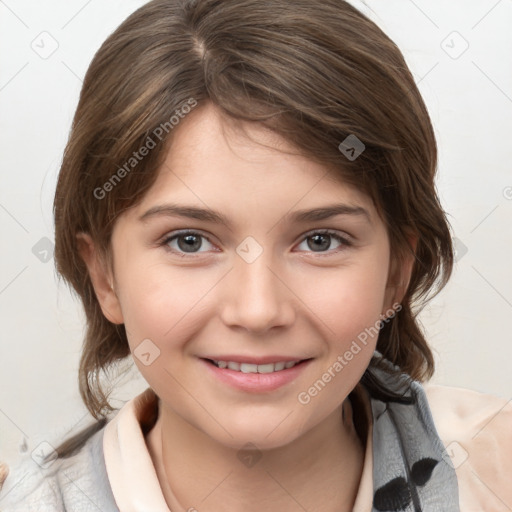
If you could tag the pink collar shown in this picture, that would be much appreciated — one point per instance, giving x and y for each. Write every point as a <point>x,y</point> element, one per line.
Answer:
<point>132,475</point>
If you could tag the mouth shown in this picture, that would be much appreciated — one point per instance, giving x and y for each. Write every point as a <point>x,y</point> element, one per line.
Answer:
<point>256,368</point>
<point>255,378</point>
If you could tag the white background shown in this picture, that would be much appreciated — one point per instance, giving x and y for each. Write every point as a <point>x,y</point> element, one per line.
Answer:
<point>469,96</point>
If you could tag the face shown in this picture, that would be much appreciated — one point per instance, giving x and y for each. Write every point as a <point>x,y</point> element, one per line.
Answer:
<point>269,283</point>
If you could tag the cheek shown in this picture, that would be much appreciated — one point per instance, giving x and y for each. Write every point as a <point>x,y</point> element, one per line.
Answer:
<point>347,300</point>
<point>160,303</point>
<point>161,309</point>
<point>348,306</point>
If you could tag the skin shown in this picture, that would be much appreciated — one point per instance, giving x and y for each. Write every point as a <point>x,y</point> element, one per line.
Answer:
<point>295,299</point>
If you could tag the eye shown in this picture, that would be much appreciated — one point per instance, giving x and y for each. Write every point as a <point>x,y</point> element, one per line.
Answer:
<point>186,242</point>
<point>191,242</point>
<point>321,241</point>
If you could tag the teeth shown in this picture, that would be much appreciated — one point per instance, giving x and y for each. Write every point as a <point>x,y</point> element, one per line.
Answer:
<point>255,368</point>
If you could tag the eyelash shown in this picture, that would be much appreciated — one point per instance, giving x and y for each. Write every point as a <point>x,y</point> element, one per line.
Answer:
<point>345,242</point>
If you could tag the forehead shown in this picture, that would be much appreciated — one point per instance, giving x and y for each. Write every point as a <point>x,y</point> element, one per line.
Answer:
<point>217,163</point>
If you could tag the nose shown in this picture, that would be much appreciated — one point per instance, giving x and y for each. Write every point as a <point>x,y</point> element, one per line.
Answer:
<point>257,298</point>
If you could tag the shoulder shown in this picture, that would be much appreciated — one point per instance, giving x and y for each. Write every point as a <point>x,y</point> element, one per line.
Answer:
<point>476,429</point>
<point>27,487</point>
<point>73,483</point>
<point>463,402</point>
<point>468,413</point>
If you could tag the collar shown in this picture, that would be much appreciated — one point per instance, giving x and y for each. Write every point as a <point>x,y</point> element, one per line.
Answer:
<point>133,477</point>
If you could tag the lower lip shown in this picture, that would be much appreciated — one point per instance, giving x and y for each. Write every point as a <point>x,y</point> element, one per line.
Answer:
<point>256,382</point>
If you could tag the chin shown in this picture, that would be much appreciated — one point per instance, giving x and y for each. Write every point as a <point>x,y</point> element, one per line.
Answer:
<point>257,441</point>
<point>264,435</point>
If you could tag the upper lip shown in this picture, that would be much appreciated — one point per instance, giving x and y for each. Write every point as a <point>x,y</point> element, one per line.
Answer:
<point>254,360</point>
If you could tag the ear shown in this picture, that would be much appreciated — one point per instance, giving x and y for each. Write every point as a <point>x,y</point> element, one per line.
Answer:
<point>400,276</point>
<point>101,279</point>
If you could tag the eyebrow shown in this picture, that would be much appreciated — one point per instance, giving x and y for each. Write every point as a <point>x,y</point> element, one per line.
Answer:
<point>208,215</point>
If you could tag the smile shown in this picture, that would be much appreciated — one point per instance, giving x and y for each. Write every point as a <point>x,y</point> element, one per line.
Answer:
<point>255,378</point>
<point>255,368</point>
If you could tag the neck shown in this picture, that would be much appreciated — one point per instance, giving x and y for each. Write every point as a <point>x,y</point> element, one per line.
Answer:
<point>319,471</point>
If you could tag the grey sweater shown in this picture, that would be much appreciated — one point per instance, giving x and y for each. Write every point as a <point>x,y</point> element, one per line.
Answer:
<point>78,483</point>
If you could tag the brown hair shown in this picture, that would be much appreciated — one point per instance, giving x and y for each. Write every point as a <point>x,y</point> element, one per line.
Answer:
<point>315,72</point>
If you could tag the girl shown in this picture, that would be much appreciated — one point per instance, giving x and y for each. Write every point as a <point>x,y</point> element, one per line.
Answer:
<point>246,206</point>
